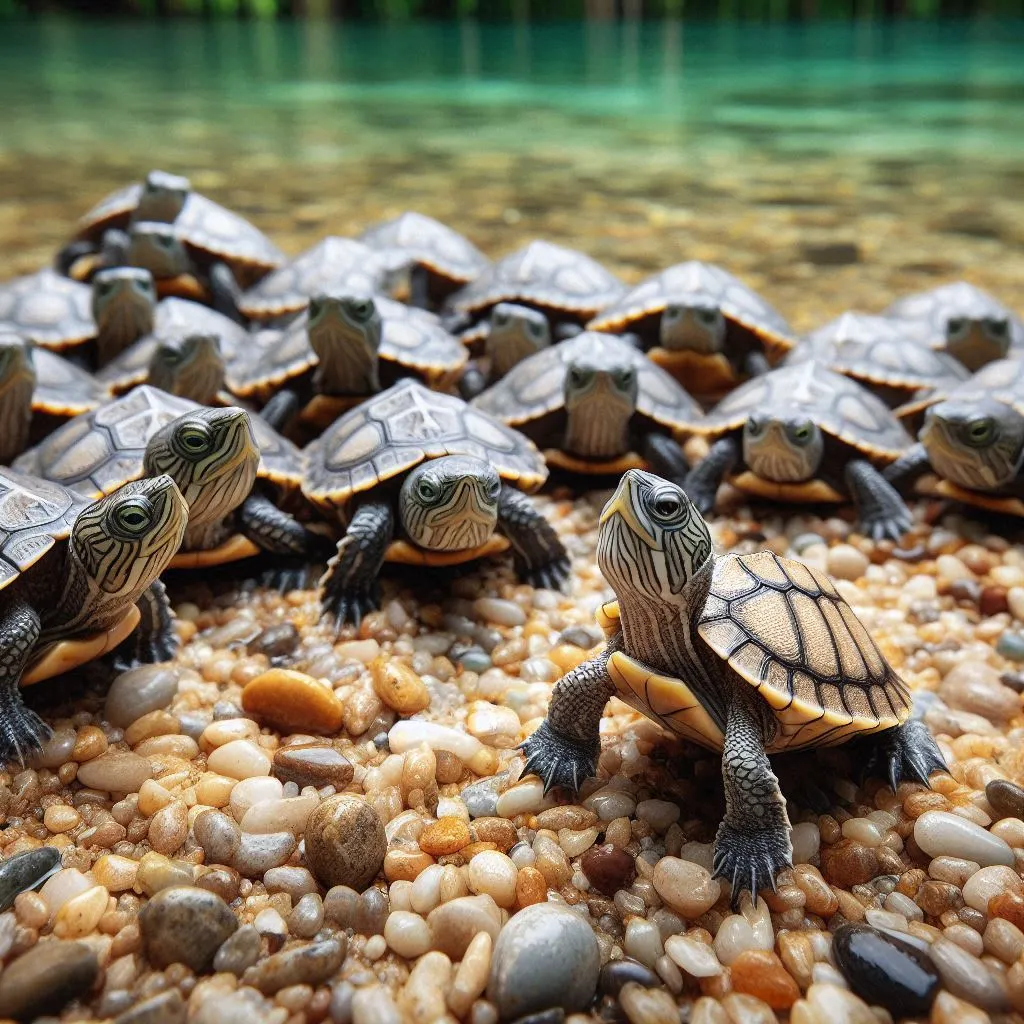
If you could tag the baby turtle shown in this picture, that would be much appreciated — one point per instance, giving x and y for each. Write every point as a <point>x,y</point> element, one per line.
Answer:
<point>347,346</point>
<point>595,405</point>
<point>973,438</point>
<point>878,352</point>
<point>333,265</point>
<point>437,259</point>
<point>747,654</point>
<point>962,320</point>
<point>71,572</point>
<point>513,333</point>
<point>89,323</point>
<point>805,434</point>
<point>702,324</point>
<point>566,285</point>
<point>37,388</point>
<point>215,455</point>
<point>443,476</point>
<point>213,232</point>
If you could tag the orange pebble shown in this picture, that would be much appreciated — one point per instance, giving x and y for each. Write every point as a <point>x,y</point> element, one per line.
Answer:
<point>568,656</point>
<point>293,701</point>
<point>448,835</point>
<point>760,973</point>
<point>530,887</point>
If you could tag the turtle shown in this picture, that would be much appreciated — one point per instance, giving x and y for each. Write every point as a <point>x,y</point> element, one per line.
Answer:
<point>879,352</point>
<point>748,654</point>
<point>437,259</point>
<point>37,389</point>
<point>513,334</point>
<point>805,434</point>
<point>963,320</point>
<point>334,264</point>
<point>596,405</point>
<point>175,320</point>
<point>229,518</point>
<point>422,478</point>
<point>567,286</point>
<point>702,324</point>
<point>89,323</point>
<point>71,573</point>
<point>348,345</point>
<point>206,228</point>
<point>973,439</point>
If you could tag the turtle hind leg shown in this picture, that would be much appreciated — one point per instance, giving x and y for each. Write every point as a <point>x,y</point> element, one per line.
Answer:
<point>907,753</point>
<point>753,842</point>
<point>22,731</point>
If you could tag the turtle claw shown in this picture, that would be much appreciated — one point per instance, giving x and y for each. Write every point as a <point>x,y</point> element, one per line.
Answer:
<point>22,733</point>
<point>287,575</point>
<point>552,576</point>
<point>348,605</point>
<point>750,858</point>
<point>886,527</point>
<point>905,754</point>
<point>559,760</point>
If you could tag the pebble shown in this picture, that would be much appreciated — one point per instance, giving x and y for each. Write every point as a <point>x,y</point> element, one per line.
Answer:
<point>312,764</point>
<point>885,970</point>
<point>25,871</point>
<point>686,887</point>
<point>345,842</point>
<point>406,735</point>
<point>455,923</point>
<point>186,925</point>
<point>546,956</point>
<point>493,874</point>
<point>498,612</point>
<point>845,562</point>
<point>445,836</point>
<point>238,951</point>
<point>259,852</point>
<point>481,798</point>
<point>239,759</point>
<point>293,701</point>
<point>309,964</point>
<point>940,833</point>
<point>81,914</point>
<point>470,978</point>
<point>46,978</point>
<point>1006,798</point>
<point>830,1004</point>
<point>1011,646</point>
<point>139,691</point>
<point>523,798</point>
<point>399,687</point>
<point>276,641</point>
<point>965,976</point>
<point>987,883</point>
<point>975,687</point>
<point>164,1008</point>
<point>698,959</point>
<point>648,1005</point>
<point>760,973</point>
<point>474,659</point>
<point>218,835</point>
<point>116,772</point>
<point>608,869</point>
<point>291,813</point>
<point>408,934</point>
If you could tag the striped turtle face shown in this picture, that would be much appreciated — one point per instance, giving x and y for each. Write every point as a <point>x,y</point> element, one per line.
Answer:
<point>190,366</point>
<point>975,341</point>
<point>155,247</point>
<point>163,197</point>
<point>516,332</point>
<point>17,382</point>
<point>978,445</point>
<point>125,540</point>
<point>212,455</point>
<point>451,503</point>
<point>601,390</point>
<point>345,332</point>
<point>124,308</point>
<point>785,450</point>
<point>693,328</point>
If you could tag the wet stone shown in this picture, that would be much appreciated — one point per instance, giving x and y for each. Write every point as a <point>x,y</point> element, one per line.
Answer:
<point>238,952</point>
<point>46,978</point>
<point>940,833</point>
<point>583,637</point>
<point>138,691</point>
<point>848,863</point>
<point>311,764</point>
<point>345,842</point>
<point>310,964</point>
<point>1006,798</point>
<point>617,973</point>
<point>608,869</point>
<point>275,641</point>
<point>293,701</point>
<point>25,871</point>
<point>165,1008</point>
<point>185,925</point>
<point>885,970</point>
<point>474,659</point>
<point>1011,646</point>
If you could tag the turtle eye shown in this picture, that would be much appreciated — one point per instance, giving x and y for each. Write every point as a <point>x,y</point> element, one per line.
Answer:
<point>427,490</point>
<point>981,431</point>
<point>625,377</point>
<point>666,505</point>
<point>134,517</point>
<point>535,328</point>
<point>802,433</point>
<point>707,317</point>
<point>171,356</point>
<point>361,309</point>
<point>195,440</point>
<point>578,377</point>
<point>956,325</point>
<point>754,427</point>
<point>673,312</point>
<point>998,327</point>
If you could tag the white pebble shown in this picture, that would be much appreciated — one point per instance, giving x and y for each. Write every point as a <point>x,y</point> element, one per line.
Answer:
<point>493,725</point>
<point>940,833</point>
<point>659,814</point>
<point>609,804</point>
<point>493,874</point>
<point>275,815</point>
<point>408,734</point>
<point>524,798</point>
<point>643,941</point>
<point>239,759</point>
<point>806,842</point>
<point>250,792</point>
<point>407,934</point>
<point>501,613</point>
<point>696,958</point>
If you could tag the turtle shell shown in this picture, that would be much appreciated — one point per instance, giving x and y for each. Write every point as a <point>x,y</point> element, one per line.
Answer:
<point>1002,380</point>
<point>933,308</point>
<point>550,277</point>
<point>393,432</point>
<point>63,389</point>
<point>48,309</point>
<point>175,318</point>
<point>335,264</point>
<point>694,282</point>
<point>97,452</point>
<point>415,239</point>
<point>411,338</point>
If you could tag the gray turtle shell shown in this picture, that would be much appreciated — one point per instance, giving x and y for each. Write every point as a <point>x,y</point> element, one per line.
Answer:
<point>1002,380</point>
<point>51,310</point>
<point>930,310</point>
<point>414,238</point>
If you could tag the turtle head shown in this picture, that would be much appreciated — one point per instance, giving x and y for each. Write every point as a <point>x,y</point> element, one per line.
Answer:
<point>783,449</point>
<point>189,365</point>
<point>17,383</point>
<point>17,363</point>
<point>124,541</point>
<point>450,503</point>
<point>212,456</point>
<point>155,247</point>
<point>978,445</point>
<point>601,388</point>
<point>693,327</point>
<point>163,196</point>
<point>977,340</point>
<point>123,306</point>
<point>345,331</point>
<point>651,538</point>
<point>516,333</point>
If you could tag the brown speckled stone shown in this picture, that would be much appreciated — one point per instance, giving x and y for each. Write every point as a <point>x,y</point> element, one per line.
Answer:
<point>345,842</point>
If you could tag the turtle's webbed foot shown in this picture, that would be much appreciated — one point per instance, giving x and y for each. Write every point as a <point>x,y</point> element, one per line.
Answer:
<point>559,760</point>
<point>347,602</point>
<point>883,514</point>
<point>552,576</point>
<point>750,858</point>
<point>22,732</point>
<point>286,574</point>
<point>906,754</point>
<point>886,527</point>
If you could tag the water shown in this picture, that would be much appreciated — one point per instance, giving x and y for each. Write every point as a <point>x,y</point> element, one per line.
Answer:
<point>841,163</point>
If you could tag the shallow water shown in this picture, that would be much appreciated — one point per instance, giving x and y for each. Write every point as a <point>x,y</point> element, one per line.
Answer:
<point>833,165</point>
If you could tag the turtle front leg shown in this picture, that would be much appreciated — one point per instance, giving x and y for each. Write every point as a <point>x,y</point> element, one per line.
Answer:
<point>666,458</point>
<point>155,638</point>
<point>880,509</point>
<point>349,588</point>
<point>565,749</point>
<point>753,842</point>
<point>540,557</point>
<point>225,292</point>
<point>904,472</point>
<point>22,731</point>
<point>702,482</point>
<point>907,753</point>
<point>281,410</point>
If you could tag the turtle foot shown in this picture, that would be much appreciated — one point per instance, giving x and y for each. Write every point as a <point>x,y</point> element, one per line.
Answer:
<point>906,754</point>
<point>22,733</point>
<point>287,574</point>
<point>349,604</point>
<point>750,858</point>
<point>552,576</point>
<point>559,760</point>
<point>886,526</point>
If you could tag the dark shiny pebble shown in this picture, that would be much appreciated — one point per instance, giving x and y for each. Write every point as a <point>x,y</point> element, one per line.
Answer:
<point>164,1008</point>
<point>1014,680</point>
<point>884,970</point>
<point>1006,798</point>
<point>608,869</point>
<point>581,636</point>
<point>25,871</point>
<point>275,641</point>
<point>553,1016</point>
<point>617,973</point>
<point>965,590</point>
<point>1011,646</point>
